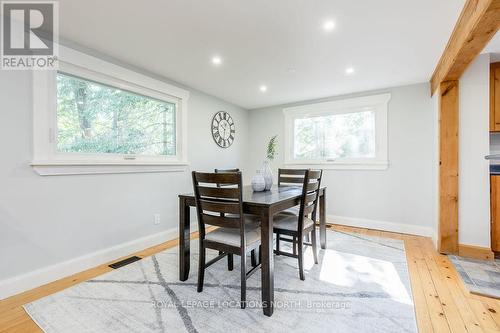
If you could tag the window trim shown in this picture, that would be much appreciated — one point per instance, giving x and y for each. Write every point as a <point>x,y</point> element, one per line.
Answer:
<point>48,161</point>
<point>378,103</point>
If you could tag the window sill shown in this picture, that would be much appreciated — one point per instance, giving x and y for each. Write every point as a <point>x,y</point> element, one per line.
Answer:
<point>65,168</point>
<point>374,165</point>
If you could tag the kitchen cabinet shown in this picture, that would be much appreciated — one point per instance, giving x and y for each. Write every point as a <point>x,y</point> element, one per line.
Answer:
<point>495,97</point>
<point>495,212</point>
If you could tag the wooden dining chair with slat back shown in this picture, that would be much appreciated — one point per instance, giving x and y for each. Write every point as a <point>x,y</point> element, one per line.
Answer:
<point>290,177</point>
<point>229,255</point>
<point>302,224</point>
<point>236,234</point>
<point>254,258</point>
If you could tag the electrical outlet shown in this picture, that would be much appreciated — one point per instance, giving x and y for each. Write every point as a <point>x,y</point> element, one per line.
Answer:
<point>157,219</point>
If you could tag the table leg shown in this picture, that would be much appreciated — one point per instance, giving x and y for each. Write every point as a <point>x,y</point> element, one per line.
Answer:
<point>184,239</point>
<point>267,262</point>
<point>322,220</point>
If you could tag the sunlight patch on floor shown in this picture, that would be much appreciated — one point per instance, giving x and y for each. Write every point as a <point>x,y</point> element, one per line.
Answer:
<point>344,269</point>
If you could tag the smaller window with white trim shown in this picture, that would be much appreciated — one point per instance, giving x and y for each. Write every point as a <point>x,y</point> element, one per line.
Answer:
<point>349,133</point>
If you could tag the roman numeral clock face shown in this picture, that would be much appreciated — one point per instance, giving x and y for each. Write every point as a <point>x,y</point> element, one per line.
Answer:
<point>223,129</point>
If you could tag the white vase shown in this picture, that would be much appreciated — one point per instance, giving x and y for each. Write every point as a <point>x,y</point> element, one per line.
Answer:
<point>258,182</point>
<point>267,174</point>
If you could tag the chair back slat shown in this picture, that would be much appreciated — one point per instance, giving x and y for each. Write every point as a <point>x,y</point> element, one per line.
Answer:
<point>312,186</point>
<point>295,180</point>
<point>218,221</point>
<point>310,197</point>
<point>214,192</point>
<point>295,172</point>
<point>315,174</point>
<point>291,176</point>
<point>225,207</point>
<point>308,209</point>
<point>214,201</point>
<point>217,178</point>
<point>226,171</point>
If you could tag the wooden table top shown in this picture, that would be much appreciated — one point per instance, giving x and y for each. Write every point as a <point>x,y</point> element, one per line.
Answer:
<point>276,195</point>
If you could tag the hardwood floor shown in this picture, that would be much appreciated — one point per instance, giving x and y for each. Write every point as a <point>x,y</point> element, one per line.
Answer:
<point>442,303</point>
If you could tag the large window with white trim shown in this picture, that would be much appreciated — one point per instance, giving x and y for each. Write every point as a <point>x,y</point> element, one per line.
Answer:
<point>92,116</point>
<point>100,119</point>
<point>349,133</point>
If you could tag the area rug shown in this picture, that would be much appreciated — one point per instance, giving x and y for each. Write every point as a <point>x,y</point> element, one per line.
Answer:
<point>481,277</point>
<point>361,284</point>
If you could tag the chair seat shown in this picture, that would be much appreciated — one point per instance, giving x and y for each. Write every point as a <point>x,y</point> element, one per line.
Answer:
<point>230,236</point>
<point>287,221</point>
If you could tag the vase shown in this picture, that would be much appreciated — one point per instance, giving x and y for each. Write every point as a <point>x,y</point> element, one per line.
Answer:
<point>267,174</point>
<point>258,182</point>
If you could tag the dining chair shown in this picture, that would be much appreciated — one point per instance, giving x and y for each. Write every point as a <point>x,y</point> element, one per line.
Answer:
<point>236,233</point>
<point>248,216</point>
<point>298,226</point>
<point>290,177</point>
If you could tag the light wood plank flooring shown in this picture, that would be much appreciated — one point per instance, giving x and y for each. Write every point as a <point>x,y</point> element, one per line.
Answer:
<point>442,303</point>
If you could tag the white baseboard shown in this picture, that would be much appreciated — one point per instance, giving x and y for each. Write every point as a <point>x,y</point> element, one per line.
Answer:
<point>24,282</point>
<point>381,225</point>
<point>27,281</point>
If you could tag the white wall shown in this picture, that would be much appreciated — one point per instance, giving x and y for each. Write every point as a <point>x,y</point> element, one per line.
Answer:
<point>474,184</point>
<point>50,220</point>
<point>402,198</point>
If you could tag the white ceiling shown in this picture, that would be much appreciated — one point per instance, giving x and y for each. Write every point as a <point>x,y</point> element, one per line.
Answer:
<point>388,42</point>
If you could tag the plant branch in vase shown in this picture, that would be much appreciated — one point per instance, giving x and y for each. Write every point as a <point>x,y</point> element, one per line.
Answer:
<point>266,172</point>
<point>271,148</point>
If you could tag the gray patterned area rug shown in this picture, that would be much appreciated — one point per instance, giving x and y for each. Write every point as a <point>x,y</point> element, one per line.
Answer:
<point>361,284</point>
<point>481,277</point>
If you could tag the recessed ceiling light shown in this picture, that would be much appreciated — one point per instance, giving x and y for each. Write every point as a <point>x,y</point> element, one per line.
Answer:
<point>216,60</point>
<point>328,25</point>
<point>349,70</point>
<point>263,88</point>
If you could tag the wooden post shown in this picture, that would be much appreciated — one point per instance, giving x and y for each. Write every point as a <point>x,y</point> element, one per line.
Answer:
<point>477,24</point>
<point>448,167</point>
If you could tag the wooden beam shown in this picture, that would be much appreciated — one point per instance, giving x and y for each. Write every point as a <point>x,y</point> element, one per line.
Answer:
<point>477,24</point>
<point>448,167</point>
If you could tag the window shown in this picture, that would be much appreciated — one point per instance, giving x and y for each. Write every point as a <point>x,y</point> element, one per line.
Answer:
<point>349,135</point>
<point>341,134</point>
<point>92,116</point>
<point>95,118</point>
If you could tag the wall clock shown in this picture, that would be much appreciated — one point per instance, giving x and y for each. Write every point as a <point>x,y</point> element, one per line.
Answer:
<point>223,129</point>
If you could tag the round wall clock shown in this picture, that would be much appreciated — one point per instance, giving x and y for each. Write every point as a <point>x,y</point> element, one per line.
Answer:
<point>223,129</point>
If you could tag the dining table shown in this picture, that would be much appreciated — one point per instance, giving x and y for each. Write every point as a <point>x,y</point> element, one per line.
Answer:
<point>265,205</point>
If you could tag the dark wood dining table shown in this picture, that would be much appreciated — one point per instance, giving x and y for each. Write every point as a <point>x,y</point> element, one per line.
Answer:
<point>264,204</point>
